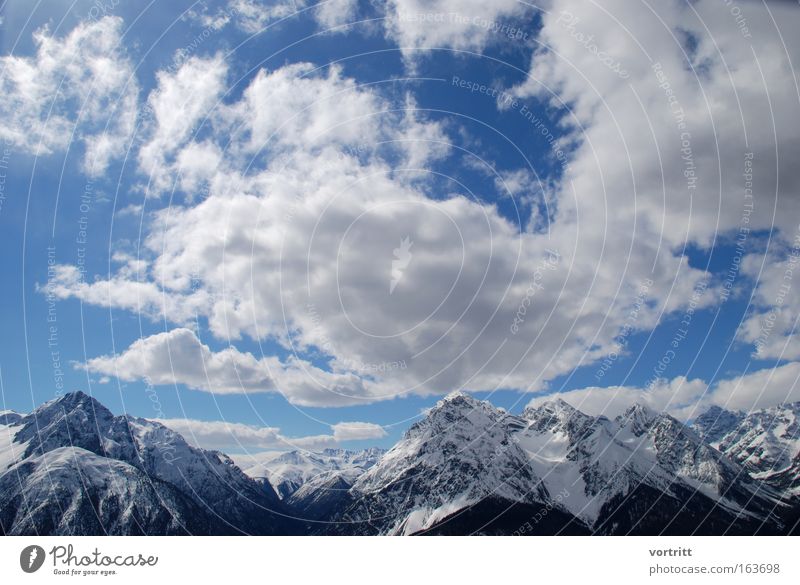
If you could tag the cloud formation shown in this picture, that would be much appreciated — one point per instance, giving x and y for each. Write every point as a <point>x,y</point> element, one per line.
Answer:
<point>357,431</point>
<point>231,436</point>
<point>685,398</point>
<point>255,16</point>
<point>298,247</point>
<point>179,357</point>
<point>293,192</point>
<point>420,26</point>
<point>682,113</point>
<point>79,87</point>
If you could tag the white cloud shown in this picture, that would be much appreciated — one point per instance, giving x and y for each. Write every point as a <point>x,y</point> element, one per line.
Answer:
<point>251,439</point>
<point>303,105</point>
<point>129,289</point>
<point>772,325</point>
<point>179,357</point>
<point>254,16</point>
<point>697,96</point>
<point>296,107</point>
<point>686,399</point>
<point>79,87</point>
<point>181,102</point>
<point>759,389</point>
<point>418,26</point>
<point>335,13</point>
<point>299,249</point>
<point>301,210</point>
<point>357,431</point>
<point>224,436</point>
<point>678,396</point>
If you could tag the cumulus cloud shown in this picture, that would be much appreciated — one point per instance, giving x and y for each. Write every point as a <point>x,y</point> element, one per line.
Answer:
<point>128,289</point>
<point>251,439</point>
<point>418,26</point>
<point>304,105</point>
<point>296,107</point>
<point>222,436</point>
<point>685,138</point>
<point>307,201</point>
<point>302,249</point>
<point>759,389</point>
<point>685,398</point>
<point>193,89</point>
<point>678,396</point>
<point>79,87</point>
<point>254,16</point>
<point>357,431</point>
<point>336,13</point>
<point>671,105</point>
<point>179,357</point>
<point>772,324</point>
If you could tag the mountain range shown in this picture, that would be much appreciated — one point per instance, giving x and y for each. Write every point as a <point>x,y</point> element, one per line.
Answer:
<point>467,467</point>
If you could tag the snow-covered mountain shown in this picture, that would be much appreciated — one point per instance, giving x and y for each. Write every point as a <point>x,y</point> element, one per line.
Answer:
<point>766,442</point>
<point>71,467</point>
<point>458,456</point>
<point>715,423</point>
<point>644,472</point>
<point>287,472</point>
<point>326,492</point>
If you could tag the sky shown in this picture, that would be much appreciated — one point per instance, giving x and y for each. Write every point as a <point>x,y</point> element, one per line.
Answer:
<point>279,225</point>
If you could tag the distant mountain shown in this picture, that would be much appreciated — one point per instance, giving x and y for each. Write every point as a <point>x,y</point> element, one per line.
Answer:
<point>71,467</point>
<point>766,442</point>
<point>287,472</point>
<point>716,422</point>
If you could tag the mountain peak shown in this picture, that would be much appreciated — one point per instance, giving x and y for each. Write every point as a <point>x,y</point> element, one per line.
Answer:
<point>554,407</point>
<point>716,422</point>
<point>455,395</point>
<point>554,413</point>
<point>68,403</point>
<point>9,417</point>
<point>640,411</point>
<point>457,400</point>
<point>638,417</point>
<point>72,400</point>
<point>559,404</point>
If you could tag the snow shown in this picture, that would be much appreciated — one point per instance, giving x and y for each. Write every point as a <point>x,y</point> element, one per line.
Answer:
<point>459,454</point>
<point>10,451</point>
<point>766,441</point>
<point>548,457</point>
<point>423,518</point>
<point>90,468</point>
<point>288,471</point>
<point>465,450</point>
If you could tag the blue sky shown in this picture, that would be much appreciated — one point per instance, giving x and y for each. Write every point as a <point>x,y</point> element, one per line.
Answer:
<point>404,146</point>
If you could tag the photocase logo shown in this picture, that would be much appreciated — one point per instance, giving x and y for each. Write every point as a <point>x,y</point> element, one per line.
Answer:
<point>402,257</point>
<point>31,558</point>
